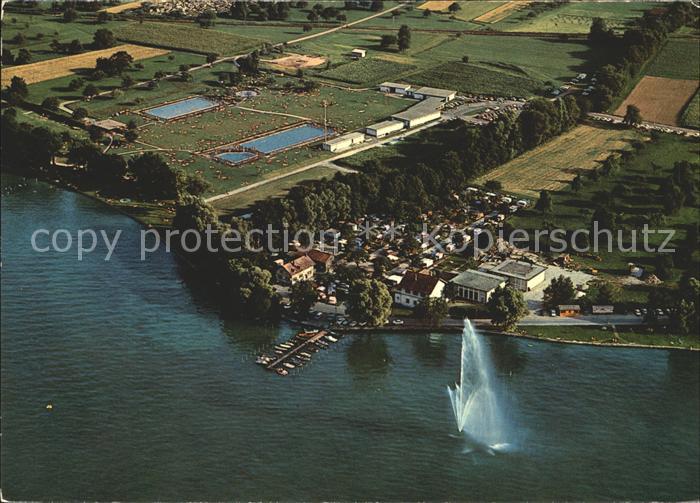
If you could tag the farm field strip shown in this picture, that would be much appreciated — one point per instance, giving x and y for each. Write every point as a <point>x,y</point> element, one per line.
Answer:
<point>116,9</point>
<point>68,65</point>
<point>436,5</point>
<point>660,100</point>
<point>553,165</point>
<point>501,12</point>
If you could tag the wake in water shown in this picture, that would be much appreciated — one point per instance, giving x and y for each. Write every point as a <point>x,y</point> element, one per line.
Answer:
<point>475,401</point>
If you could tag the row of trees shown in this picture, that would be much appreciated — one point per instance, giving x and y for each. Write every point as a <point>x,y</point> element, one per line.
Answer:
<point>628,53</point>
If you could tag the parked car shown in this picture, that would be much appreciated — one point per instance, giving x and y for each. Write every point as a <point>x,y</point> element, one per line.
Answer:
<point>397,322</point>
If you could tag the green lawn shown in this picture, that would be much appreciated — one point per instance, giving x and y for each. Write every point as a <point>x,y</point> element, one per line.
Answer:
<point>678,59</point>
<point>39,120</point>
<point>642,175</point>
<point>187,37</point>
<point>638,335</point>
<point>691,115</point>
<point>574,17</point>
<point>277,188</point>
<point>108,105</point>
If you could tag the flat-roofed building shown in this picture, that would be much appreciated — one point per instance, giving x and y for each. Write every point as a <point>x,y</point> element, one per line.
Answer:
<point>475,286</point>
<point>384,128</point>
<point>358,53</point>
<point>393,87</point>
<point>433,92</point>
<point>343,142</point>
<point>522,276</point>
<point>420,113</point>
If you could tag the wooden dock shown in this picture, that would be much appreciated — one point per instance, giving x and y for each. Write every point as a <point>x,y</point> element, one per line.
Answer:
<point>311,339</point>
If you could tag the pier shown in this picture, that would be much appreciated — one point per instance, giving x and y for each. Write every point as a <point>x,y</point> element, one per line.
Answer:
<point>292,357</point>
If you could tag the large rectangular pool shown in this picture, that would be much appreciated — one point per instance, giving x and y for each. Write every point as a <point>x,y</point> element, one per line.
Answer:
<point>285,139</point>
<point>182,107</point>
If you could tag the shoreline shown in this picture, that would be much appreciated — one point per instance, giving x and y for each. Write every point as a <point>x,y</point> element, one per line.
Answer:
<point>489,330</point>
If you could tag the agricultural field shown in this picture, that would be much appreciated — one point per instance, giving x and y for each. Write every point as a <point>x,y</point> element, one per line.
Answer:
<point>116,9</point>
<point>436,5</point>
<point>187,38</point>
<point>678,59</point>
<point>553,165</point>
<point>691,115</point>
<point>575,17</point>
<point>367,71</point>
<point>73,65</point>
<point>642,176</point>
<point>39,30</point>
<point>59,87</point>
<point>660,99</point>
<point>478,79</point>
<point>501,12</point>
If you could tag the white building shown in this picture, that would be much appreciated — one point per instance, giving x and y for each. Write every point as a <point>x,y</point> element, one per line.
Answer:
<point>415,287</point>
<point>433,92</point>
<point>384,128</point>
<point>421,113</point>
<point>358,53</point>
<point>522,276</point>
<point>343,142</point>
<point>393,87</point>
<point>475,286</point>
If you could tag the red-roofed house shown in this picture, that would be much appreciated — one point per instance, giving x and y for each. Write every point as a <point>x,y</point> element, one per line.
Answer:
<point>299,269</point>
<point>415,287</point>
<point>323,260</point>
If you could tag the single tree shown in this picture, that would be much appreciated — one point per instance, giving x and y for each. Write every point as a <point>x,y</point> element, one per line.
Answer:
<point>369,301</point>
<point>544,203</point>
<point>302,297</point>
<point>506,307</point>
<point>432,310</point>
<point>632,116</point>
<point>560,291</point>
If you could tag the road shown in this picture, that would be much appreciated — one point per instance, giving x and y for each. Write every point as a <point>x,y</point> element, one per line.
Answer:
<point>616,119</point>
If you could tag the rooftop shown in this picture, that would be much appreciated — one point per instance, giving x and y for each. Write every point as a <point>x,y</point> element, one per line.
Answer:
<point>418,283</point>
<point>434,91</point>
<point>319,256</point>
<point>384,124</point>
<point>420,109</point>
<point>478,280</point>
<point>517,269</point>
<point>298,265</point>
<point>394,84</point>
<point>345,137</point>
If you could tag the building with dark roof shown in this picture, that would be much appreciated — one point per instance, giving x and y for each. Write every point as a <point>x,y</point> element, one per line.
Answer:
<point>415,287</point>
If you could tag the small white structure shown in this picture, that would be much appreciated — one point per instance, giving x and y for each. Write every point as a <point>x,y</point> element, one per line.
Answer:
<point>384,128</point>
<point>343,142</point>
<point>358,53</point>
<point>522,276</point>
<point>393,87</point>
<point>415,287</point>
<point>433,92</point>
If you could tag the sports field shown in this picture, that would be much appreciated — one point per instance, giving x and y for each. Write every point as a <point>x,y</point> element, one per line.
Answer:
<point>660,99</point>
<point>187,38</point>
<point>69,65</point>
<point>553,165</point>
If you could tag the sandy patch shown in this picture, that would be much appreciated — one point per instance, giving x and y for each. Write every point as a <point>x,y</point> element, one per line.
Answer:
<point>436,5</point>
<point>501,12</point>
<point>296,61</point>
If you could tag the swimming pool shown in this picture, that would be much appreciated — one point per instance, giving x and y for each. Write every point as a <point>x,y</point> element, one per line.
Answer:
<point>182,107</point>
<point>235,157</point>
<point>285,139</point>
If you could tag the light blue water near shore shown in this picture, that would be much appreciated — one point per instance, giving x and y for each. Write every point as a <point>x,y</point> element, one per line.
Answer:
<point>155,398</point>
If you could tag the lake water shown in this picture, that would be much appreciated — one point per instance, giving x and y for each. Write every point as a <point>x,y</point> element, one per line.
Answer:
<point>156,398</point>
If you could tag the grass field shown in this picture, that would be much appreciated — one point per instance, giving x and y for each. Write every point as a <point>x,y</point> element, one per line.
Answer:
<point>576,17</point>
<point>660,99</point>
<point>277,188</point>
<point>501,12</point>
<point>187,38</point>
<point>678,59</point>
<point>70,65</point>
<point>622,335</point>
<point>468,78</point>
<point>691,114</point>
<point>553,165</point>
<point>642,176</point>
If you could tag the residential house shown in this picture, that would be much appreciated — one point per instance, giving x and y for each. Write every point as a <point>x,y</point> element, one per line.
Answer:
<point>300,269</point>
<point>415,287</point>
